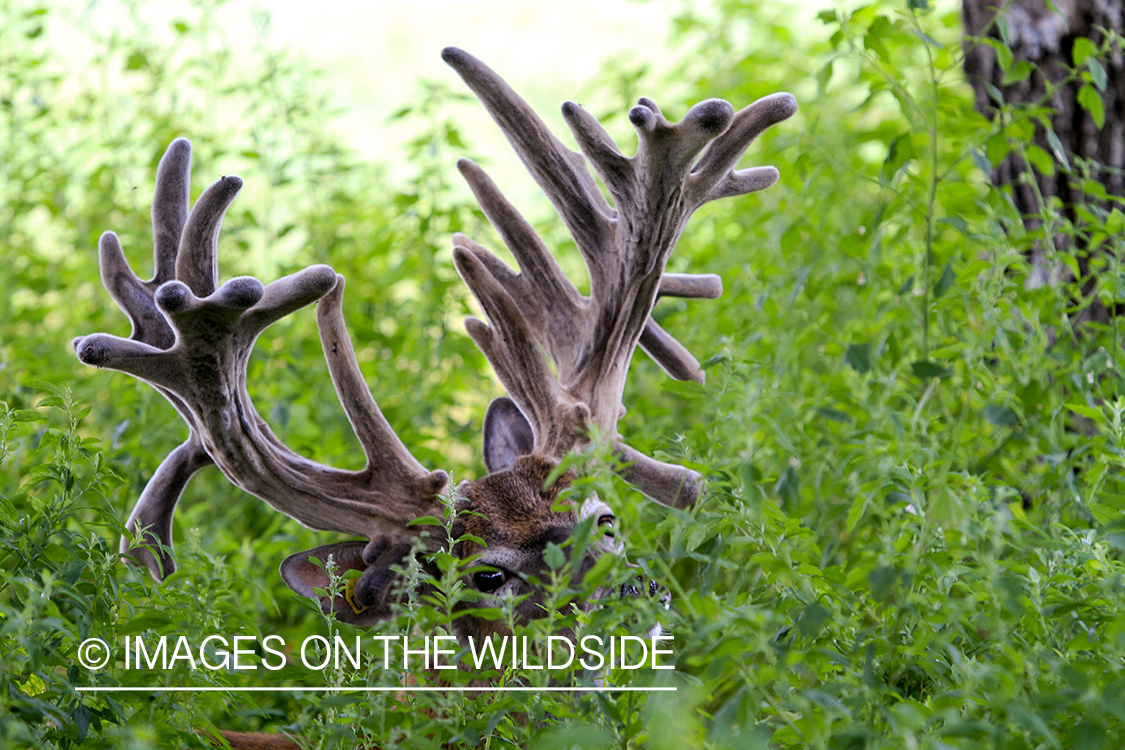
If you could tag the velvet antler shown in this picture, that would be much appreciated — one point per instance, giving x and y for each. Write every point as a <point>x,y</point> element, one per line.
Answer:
<point>590,340</point>
<point>191,341</point>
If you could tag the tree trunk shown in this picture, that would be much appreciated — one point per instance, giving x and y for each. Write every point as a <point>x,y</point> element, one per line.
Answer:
<point>1046,39</point>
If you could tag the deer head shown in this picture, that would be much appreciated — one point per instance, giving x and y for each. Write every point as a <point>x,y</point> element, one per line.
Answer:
<point>562,356</point>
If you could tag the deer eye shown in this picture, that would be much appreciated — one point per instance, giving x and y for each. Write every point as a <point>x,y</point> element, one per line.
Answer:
<point>488,581</point>
<point>607,521</point>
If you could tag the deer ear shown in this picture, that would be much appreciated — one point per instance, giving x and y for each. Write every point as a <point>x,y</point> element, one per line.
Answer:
<point>365,600</point>
<point>507,435</point>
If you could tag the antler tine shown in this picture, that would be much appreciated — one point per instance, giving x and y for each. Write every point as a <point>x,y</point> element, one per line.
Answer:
<point>664,148</point>
<point>591,340</point>
<point>690,286</point>
<point>388,459</point>
<point>198,267</point>
<point>132,295</point>
<point>672,356</point>
<point>598,147</point>
<point>509,345</point>
<point>712,177</point>
<point>169,214</point>
<point>671,485</point>
<point>171,203</point>
<point>192,342</point>
<point>540,272</point>
<point>151,519</point>
<point>560,172</point>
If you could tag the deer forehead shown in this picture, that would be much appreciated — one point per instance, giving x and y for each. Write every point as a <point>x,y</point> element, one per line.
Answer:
<point>517,511</point>
<point>518,501</point>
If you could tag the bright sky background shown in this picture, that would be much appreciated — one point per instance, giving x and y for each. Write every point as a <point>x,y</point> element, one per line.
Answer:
<point>375,52</point>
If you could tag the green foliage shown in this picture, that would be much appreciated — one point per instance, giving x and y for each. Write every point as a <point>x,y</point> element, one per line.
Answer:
<point>913,534</point>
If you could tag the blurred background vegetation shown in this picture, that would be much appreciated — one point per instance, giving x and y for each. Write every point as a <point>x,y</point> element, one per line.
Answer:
<point>913,532</point>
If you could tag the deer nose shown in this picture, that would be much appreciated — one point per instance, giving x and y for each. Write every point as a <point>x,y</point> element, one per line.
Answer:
<point>654,589</point>
<point>627,590</point>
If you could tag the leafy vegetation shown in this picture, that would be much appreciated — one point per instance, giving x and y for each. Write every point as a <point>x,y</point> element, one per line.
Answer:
<point>913,532</point>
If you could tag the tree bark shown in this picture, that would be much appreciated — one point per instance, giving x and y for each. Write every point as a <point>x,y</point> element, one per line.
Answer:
<point>1046,38</point>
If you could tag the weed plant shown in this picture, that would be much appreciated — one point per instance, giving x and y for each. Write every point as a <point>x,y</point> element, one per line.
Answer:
<point>913,532</point>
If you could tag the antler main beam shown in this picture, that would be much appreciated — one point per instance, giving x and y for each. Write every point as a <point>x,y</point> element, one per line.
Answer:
<point>191,341</point>
<point>590,340</point>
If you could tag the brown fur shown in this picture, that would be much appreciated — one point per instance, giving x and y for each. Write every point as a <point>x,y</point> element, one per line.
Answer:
<point>518,516</point>
<point>515,510</point>
<point>256,741</point>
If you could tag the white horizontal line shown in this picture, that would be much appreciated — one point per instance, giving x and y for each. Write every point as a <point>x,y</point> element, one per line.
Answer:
<point>398,689</point>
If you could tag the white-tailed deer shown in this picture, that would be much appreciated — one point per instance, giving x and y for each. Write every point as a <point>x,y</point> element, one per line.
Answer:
<point>562,356</point>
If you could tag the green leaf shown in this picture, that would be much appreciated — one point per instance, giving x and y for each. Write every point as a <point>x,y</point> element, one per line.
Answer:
<point>956,222</point>
<point>834,414</point>
<point>982,162</point>
<point>813,619</point>
<point>1019,72</point>
<point>1003,51</point>
<point>1086,411</point>
<point>1083,49</point>
<point>879,30</point>
<point>1040,159</point>
<point>1113,698</point>
<point>994,93</point>
<point>1092,102</point>
<point>1097,75</point>
<point>824,75</point>
<point>596,575</point>
<point>945,281</point>
<point>554,556</point>
<point>924,368</point>
<point>1115,222</point>
<point>1088,734</point>
<point>81,717</point>
<point>831,703</point>
<point>859,505</point>
<point>858,357</point>
<point>1005,29</point>
<point>149,621</point>
<point>1057,147</point>
<point>966,729</point>
<point>997,148</point>
<point>1033,723</point>
<point>714,359</point>
<point>136,60</point>
<point>882,580</point>
<point>1001,416</point>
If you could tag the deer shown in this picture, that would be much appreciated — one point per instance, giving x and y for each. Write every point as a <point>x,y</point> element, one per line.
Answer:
<point>561,356</point>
